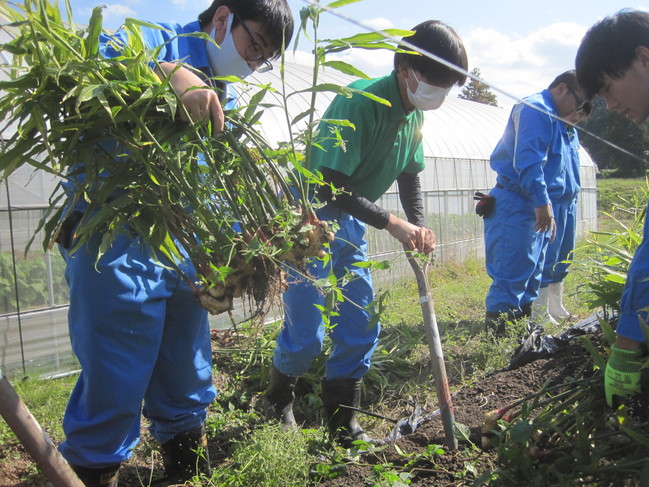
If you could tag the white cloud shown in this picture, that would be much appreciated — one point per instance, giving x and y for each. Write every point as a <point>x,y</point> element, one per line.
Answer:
<point>187,4</point>
<point>300,57</point>
<point>379,23</point>
<point>492,46</point>
<point>372,62</point>
<point>523,65</point>
<point>118,11</point>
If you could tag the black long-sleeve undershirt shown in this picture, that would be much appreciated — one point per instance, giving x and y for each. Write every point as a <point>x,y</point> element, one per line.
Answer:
<point>411,198</point>
<point>370,213</point>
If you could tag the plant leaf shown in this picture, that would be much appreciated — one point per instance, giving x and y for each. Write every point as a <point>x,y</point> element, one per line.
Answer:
<point>346,68</point>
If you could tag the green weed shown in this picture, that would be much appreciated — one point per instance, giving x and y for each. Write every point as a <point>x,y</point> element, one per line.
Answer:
<point>604,256</point>
<point>269,456</point>
<point>385,476</point>
<point>32,282</point>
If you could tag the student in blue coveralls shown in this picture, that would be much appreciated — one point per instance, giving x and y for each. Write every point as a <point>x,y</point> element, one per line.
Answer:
<point>548,307</point>
<point>530,164</point>
<point>385,146</point>
<point>613,62</point>
<point>135,326</point>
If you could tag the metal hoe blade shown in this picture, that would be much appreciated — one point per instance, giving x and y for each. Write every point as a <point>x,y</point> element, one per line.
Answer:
<point>435,347</point>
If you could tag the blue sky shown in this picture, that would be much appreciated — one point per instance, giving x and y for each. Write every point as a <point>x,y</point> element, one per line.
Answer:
<point>518,49</point>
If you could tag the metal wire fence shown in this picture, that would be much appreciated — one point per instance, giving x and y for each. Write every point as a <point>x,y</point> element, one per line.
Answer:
<point>33,292</point>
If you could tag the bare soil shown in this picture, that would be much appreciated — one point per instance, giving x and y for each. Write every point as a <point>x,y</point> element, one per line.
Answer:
<point>453,468</point>
<point>470,404</point>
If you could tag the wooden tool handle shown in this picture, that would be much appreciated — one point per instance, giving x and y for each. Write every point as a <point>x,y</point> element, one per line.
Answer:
<point>35,440</point>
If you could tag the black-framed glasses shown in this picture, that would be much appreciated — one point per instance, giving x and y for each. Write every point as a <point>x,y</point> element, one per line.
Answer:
<point>583,106</point>
<point>254,51</point>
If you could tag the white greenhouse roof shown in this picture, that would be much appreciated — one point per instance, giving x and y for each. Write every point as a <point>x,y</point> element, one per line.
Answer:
<point>462,129</point>
<point>459,129</point>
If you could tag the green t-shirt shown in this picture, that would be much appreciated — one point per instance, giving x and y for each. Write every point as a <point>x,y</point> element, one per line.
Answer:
<point>386,141</point>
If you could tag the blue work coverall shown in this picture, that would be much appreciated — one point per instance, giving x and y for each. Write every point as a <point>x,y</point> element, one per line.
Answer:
<point>135,326</point>
<point>530,164</point>
<point>386,141</point>
<point>564,209</point>
<point>634,305</point>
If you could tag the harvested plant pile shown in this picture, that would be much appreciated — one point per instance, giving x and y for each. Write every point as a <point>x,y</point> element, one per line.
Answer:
<point>110,127</point>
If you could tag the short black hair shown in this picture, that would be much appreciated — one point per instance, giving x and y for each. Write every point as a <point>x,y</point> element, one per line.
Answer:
<point>436,37</point>
<point>274,15</point>
<point>569,78</point>
<point>609,48</point>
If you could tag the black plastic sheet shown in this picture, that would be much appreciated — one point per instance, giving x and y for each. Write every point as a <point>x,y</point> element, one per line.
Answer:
<point>536,345</point>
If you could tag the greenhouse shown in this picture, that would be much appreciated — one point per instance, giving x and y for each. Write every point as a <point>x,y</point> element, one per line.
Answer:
<point>458,137</point>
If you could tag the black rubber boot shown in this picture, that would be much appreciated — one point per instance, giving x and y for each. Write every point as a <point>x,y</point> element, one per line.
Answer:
<point>341,421</point>
<point>495,323</point>
<point>279,398</point>
<point>98,477</point>
<point>185,456</point>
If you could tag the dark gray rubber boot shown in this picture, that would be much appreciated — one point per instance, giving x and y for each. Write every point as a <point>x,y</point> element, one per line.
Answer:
<point>186,455</point>
<point>341,421</point>
<point>98,477</point>
<point>526,311</point>
<point>495,323</point>
<point>279,397</point>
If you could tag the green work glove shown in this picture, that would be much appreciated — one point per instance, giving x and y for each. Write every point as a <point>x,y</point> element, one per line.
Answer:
<point>622,375</point>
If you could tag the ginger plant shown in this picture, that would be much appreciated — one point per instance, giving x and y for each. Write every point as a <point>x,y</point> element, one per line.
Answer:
<point>111,130</point>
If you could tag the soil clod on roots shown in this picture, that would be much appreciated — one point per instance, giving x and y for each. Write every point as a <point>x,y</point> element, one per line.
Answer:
<point>262,277</point>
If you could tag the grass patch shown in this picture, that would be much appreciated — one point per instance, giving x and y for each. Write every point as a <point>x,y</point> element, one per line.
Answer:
<point>270,456</point>
<point>610,191</point>
<point>46,400</point>
<point>615,198</point>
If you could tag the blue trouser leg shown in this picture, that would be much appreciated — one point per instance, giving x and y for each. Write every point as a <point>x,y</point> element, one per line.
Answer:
<point>302,335</point>
<point>635,296</point>
<point>300,340</point>
<point>354,338</point>
<point>125,319</point>
<point>181,388</point>
<point>554,268</point>
<point>534,282</point>
<point>514,253</point>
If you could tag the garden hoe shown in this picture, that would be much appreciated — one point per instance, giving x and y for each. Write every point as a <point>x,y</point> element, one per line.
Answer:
<point>435,347</point>
<point>35,440</point>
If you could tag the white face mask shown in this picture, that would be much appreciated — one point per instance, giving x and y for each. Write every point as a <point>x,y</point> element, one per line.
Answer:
<point>224,59</point>
<point>426,96</point>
